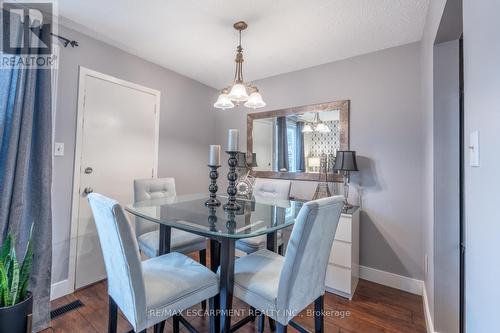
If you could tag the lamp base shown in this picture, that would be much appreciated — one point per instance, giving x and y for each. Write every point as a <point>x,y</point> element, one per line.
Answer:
<point>322,191</point>
<point>347,205</point>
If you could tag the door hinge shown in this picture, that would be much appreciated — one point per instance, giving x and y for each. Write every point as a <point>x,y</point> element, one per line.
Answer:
<point>152,173</point>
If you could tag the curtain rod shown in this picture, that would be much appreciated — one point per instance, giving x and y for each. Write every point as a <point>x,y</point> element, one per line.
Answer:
<point>66,41</point>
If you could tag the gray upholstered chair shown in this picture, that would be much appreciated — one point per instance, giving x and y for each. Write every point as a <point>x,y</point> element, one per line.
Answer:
<point>147,232</point>
<point>281,287</point>
<point>150,291</point>
<point>266,188</point>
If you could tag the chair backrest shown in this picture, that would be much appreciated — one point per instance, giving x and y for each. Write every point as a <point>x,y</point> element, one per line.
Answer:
<point>121,258</point>
<point>272,188</point>
<point>151,188</point>
<point>303,275</point>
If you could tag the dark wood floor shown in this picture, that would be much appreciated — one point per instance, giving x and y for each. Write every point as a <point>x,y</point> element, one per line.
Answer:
<point>374,308</point>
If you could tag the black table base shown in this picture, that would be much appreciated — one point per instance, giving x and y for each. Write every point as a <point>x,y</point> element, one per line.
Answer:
<point>222,254</point>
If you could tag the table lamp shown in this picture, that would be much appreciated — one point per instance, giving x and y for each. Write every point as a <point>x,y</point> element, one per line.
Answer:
<point>346,162</point>
<point>313,163</point>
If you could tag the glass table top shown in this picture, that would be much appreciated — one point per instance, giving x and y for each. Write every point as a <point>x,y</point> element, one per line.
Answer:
<point>258,216</point>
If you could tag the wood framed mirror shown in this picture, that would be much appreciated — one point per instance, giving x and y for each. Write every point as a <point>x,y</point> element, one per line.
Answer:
<point>291,143</point>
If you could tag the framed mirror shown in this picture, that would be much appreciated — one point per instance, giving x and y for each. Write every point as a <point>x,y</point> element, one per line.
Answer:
<point>299,142</point>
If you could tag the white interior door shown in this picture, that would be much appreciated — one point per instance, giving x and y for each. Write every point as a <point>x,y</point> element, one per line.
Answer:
<point>118,144</point>
<point>263,138</point>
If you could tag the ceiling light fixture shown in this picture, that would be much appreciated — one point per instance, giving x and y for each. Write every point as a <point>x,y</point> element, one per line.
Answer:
<point>240,91</point>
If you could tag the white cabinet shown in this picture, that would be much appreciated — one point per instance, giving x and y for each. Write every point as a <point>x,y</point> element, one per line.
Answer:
<point>342,273</point>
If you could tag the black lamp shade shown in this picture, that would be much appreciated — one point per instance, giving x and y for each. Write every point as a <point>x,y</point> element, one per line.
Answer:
<point>346,161</point>
<point>254,160</point>
<point>242,160</point>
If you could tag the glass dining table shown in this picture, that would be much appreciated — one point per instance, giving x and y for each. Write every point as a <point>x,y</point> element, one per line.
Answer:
<point>255,217</point>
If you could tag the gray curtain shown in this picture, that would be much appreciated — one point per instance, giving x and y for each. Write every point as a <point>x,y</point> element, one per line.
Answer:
<point>282,143</point>
<point>299,148</point>
<point>25,174</point>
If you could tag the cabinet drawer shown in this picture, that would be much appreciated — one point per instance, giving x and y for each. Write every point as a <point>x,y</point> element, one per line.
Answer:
<point>341,254</point>
<point>344,229</point>
<point>338,278</point>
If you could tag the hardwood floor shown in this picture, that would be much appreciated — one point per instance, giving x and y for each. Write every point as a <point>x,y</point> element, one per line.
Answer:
<point>374,309</point>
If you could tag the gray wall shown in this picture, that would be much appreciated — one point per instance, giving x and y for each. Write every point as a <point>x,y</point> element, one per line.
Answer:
<point>433,19</point>
<point>482,194</point>
<point>187,126</point>
<point>446,187</point>
<point>386,131</point>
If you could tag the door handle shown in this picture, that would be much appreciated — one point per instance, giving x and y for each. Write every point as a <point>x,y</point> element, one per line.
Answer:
<point>88,170</point>
<point>88,190</point>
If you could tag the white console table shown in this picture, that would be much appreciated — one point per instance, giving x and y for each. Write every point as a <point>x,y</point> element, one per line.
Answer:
<point>342,274</point>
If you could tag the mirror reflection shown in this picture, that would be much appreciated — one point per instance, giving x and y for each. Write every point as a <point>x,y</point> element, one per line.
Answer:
<point>297,142</point>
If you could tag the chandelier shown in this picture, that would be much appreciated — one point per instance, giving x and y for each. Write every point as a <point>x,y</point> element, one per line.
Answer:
<point>316,126</point>
<point>239,91</point>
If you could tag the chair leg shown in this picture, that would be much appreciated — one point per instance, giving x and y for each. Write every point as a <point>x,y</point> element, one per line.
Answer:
<point>253,313</point>
<point>113,316</point>
<point>319,320</point>
<point>175,324</point>
<point>260,323</point>
<point>203,260</point>
<point>203,256</point>
<point>213,319</point>
<point>272,326</point>
<point>280,250</point>
<point>159,327</point>
<point>280,328</point>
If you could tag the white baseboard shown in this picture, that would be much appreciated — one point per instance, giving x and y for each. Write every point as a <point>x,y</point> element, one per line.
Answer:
<point>427,312</point>
<point>400,282</point>
<point>60,289</point>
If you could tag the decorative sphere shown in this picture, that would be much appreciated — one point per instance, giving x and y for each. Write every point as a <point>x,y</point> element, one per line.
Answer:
<point>214,174</point>
<point>233,162</point>
<point>232,176</point>
<point>213,187</point>
<point>232,190</point>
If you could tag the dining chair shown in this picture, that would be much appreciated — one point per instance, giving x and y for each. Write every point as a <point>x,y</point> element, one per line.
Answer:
<point>151,291</point>
<point>148,233</point>
<point>266,188</point>
<point>281,287</point>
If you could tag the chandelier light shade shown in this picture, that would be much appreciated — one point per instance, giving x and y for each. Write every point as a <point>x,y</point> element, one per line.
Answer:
<point>255,100</point>
<point>322,128</point>
<point>223,101</point>
<point>307,128</point>
<point>239,91</point>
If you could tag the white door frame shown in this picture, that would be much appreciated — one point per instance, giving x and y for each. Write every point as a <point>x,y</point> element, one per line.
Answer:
<point>84,72</point>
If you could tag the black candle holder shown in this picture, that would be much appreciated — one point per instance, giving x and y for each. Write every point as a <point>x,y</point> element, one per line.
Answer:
<point>231,177</point>
<point>212,219</point>
<point>231,221</point>
<point>212,188</point>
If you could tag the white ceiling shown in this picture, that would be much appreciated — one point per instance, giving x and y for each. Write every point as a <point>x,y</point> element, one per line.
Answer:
<point>196,38</point>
